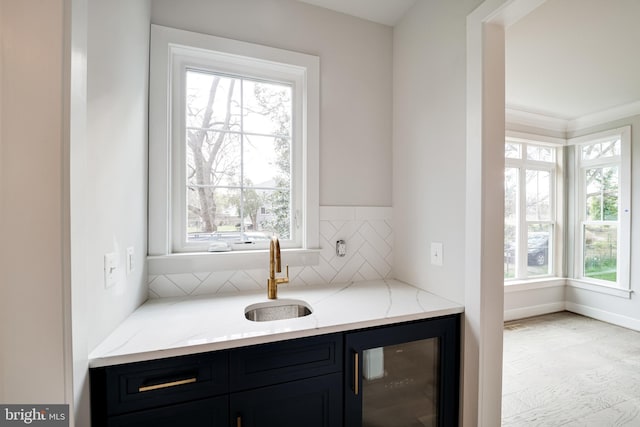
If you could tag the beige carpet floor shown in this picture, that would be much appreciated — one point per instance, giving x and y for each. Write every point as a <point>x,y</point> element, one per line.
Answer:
<point>564,369</point>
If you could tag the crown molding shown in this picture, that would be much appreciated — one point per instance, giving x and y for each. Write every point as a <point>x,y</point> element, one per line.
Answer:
<point>606,116</point>
<point>518,116</point>
<point>526,137</point>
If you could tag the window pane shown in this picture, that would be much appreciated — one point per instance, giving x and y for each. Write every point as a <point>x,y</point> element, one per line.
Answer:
<point>510,220</point>
<point>267,108</point>
<point>538,253</point>
<point>602,190</point>
<point>538,198</point>
<point>510,246</point>
<point>266,160</point>
<point>213,214</point>
<point>512,150</point>
<point>601,150</point>
<point>213,158</point>
<point>591,151</point>
<point>510,195</point>
<point>213,101</point>
<point>235,215</point>
<point>600,251</point>
<point>540,153</point>
<point>238,158</point>
<point>267,212</point>
<point>611,148</point>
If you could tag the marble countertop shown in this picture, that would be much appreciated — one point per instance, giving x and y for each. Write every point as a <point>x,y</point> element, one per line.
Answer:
<point>170,327</point>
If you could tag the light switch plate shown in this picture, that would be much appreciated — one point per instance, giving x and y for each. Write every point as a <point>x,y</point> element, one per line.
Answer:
<point>129,260</point>
<point>110,269</point>
<point>436,253</point>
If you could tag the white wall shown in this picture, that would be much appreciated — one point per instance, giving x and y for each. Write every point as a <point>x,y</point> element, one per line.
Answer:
<point>429,144</point>
<point>355,82</point>
<point>527,300</point>
<point>115,173</point>
<point>77,148</point>
<point>108,175</point>
<point>430,176</point>
<point>33,257</point>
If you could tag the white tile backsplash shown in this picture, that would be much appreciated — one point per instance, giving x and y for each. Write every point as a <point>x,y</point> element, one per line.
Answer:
<point>367,231</point>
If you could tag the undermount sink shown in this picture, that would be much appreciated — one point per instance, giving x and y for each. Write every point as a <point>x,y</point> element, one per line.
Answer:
<point>277,310</point>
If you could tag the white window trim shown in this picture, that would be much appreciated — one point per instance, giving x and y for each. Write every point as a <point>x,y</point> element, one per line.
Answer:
<point>164,43</point>
<point>601,289</point>
<point>624,210</point>
<point>533,284</point>
<point>557,188</point>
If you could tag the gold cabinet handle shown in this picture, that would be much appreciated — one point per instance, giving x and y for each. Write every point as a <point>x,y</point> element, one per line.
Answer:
<point>239,421</point>
<point>166,385</point>
<point>356,377</point>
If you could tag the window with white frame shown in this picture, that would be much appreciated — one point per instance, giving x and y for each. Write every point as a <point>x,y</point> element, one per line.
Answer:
<point>236,155</point>
<point>602,196</point>
<point>233,145</point>
<point>530,209</point>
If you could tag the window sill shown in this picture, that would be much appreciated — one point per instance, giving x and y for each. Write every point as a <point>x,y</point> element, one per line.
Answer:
<point>531,284</point>
<point>550,282</point>
<point>603,289</point>
<point>235,260</point>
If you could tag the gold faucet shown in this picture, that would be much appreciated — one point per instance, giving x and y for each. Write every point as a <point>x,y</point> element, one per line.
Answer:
<point>275,266</point>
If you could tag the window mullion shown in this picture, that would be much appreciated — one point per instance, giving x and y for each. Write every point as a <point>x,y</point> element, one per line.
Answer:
<point>242,136</point>
<point>235,132</point>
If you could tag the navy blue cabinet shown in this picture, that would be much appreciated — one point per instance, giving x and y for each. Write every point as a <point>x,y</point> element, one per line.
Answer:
<point>155,389</point>
<point>312,402</point>
<point>275,384</point>
<point>403,375</point>
<point>288,383</point>
<point>206,412</point>
<point>397,375</point>
<point>283,361</point>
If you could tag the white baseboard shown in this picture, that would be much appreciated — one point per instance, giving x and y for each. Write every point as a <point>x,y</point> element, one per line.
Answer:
<point>535,310</point>
<point>605,316</point>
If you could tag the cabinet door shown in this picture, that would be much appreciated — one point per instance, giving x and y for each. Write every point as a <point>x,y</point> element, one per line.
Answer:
<point>403,375</point>
<point>202,413</point>
<point>313,402</point>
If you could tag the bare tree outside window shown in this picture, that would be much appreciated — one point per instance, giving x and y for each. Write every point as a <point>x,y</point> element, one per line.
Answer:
<point>238,157</point>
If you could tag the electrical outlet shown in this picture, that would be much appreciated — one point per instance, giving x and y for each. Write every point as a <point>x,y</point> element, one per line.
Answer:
<point>110,269</point>
<point>341,248</point>
<point>436,253</point>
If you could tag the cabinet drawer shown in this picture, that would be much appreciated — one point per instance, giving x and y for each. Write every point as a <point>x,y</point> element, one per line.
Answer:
<point>213,412</point>
<point>284,361</point>
<point>136,386</point>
